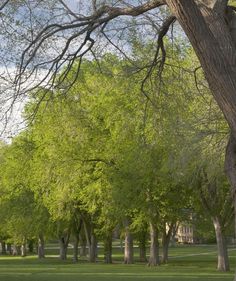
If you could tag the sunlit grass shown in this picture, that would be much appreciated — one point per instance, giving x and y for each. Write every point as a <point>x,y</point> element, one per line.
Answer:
<point>186,263</point>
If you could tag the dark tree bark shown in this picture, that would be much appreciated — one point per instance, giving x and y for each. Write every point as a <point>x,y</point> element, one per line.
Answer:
<point>166,236</point>
<point>63,248</point>
<point>154,246</point>
<point>91,240</point>
<point>4,249</point>
<point>108,248</point>
<point>9,249</point>
<point>64,238</point>
<point>230,155</point>
<point>142,246</point>
<point>211,39</point>
<point>41,248</point>
<point>230,167</point>
<point>83,244</point>
<point>75,249</point>
<point>212,35</point>
<point>93,248</point>
<point>77,226</point>
<point>31,246</point>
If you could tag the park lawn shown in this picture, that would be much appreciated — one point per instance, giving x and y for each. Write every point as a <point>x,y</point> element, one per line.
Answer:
<point>186,263</point>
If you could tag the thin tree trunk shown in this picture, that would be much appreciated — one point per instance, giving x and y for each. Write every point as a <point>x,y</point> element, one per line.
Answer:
<point>166,236</point>
<point>91,241</point>
<point>77,226</point>
<point>83,249</point>
<point>64,238</point>
<point>23,250</point>
<point>4,250</point>
<point>31,246</point>
<point>154,246</point>
<point>92,248</point>
<point>41,249</point>
<point>82,243</point>
<point>16,251</point>
<point>223,260</point>
<point>129,252</point>
<point>142,247</point>
<point>121,245</point>
<point>75,249</point>
<point>63,248</point>
<point>165,251</point>
<point>9,249</point>
<point>108,248</point>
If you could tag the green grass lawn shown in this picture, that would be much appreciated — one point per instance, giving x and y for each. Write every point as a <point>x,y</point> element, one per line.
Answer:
<point>186,263</point>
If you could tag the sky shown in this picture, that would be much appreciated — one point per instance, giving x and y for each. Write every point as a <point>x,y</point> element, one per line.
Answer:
<point>23,24</point>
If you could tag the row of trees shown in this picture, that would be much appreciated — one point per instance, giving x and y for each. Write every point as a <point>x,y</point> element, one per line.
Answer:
<point>108,155</point>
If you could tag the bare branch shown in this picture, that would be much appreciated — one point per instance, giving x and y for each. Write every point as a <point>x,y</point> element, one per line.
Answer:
<point>81,27</point>
<point>4,4</point>
<point>94,5</point>
<point>69,10</point>
<point>160,46</point>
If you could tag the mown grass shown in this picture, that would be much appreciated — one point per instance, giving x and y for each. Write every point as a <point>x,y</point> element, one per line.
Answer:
<point>187,263</point>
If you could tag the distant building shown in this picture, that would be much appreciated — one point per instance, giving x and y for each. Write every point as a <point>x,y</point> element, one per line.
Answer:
<point>185,233</point>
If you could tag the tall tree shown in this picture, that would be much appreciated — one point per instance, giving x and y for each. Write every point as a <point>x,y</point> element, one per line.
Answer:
<point>209,25</point>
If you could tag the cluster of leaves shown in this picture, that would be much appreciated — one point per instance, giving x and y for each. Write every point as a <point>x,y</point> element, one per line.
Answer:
<point>105,151</point>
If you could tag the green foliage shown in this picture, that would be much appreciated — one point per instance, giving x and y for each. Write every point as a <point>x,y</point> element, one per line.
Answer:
<point>107,150</point>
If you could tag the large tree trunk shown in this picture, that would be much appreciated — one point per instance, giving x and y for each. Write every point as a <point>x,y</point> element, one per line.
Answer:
<point>230,156</point>
<point>214,41</point>
<point>129,252</point>
<point>154,246</point>
<point>41,249</point>
<point>223,260</point>
<point>108,248</point>
<point>230,168</point>
<point>210,37</point>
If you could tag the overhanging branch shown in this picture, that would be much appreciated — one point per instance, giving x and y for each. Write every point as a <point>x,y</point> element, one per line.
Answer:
<point>80,28</point>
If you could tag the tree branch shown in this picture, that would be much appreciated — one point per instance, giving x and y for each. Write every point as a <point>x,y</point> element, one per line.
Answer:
<point>160,46</point>
<point>80,28</point>
<point>4,4</point>
<point>220,6</point>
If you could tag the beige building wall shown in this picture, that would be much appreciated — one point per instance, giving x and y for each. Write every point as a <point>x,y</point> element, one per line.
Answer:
<point>185,233</point>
